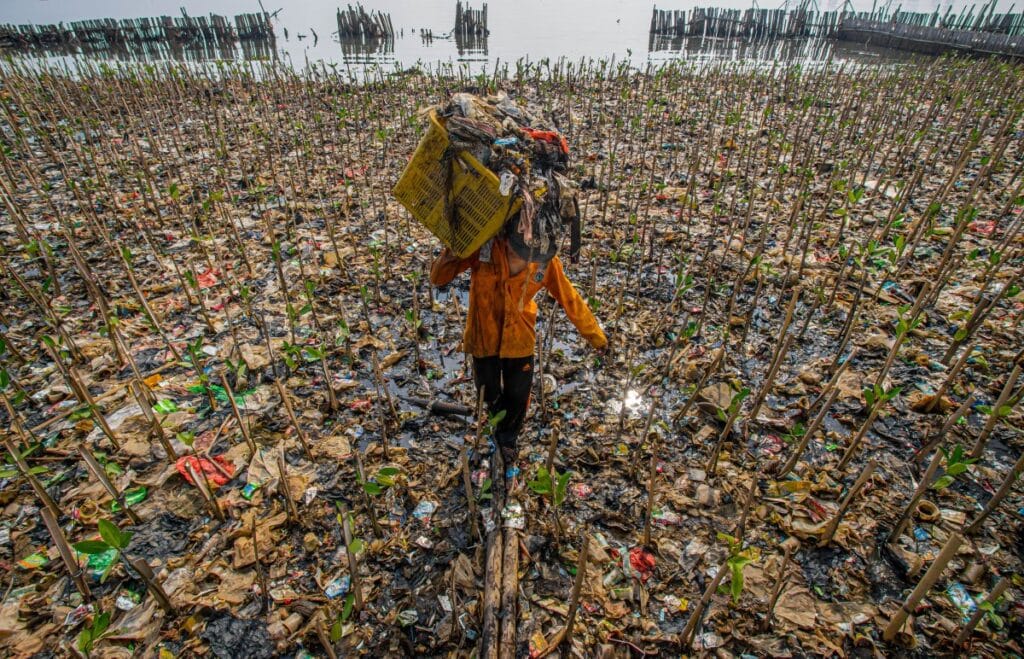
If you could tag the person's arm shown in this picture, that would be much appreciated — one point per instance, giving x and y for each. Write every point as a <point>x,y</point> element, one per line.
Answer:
<point>446,266</point>
<point>575,306</point>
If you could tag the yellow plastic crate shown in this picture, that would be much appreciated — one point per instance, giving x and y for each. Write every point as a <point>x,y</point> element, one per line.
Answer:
<point>479,206</point>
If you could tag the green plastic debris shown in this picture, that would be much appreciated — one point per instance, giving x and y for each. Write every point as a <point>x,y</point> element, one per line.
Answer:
<point>131,497</point>
<point>165,406</point>
<point>34,561</point>
<point>100,564</point>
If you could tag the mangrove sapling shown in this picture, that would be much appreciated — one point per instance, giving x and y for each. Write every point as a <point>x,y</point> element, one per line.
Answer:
<point>194,468</point>
<point>509,590</point>
<point>261,574</point>
<point>243,425</point>
<point>716,362</point>
<point>773,371</point>
<point>551,485</point>
<point>197,361</point>
<point>833,525</point>
<point>467,484</point>
<point>111,537</point>
<point>412,319</point>
<point>634,371</point>
<point>985,608</point>
<point>875,397</point>
<point>644,436</point>
<point>947,425</point>
<point>19,459</point>
<point>286,490</point>
<point>937,399</point>
<point>652,474</point>
<point>935,570</point>
<point>564,635</point>
<point>737,559</point>
<point>364,492</point>
<point>780,583</point>
<point>97,629</point>
<point>998,497</point>
<point>193,282</point>
<point>686,637</point>
<point>81,392</point>
<point>100,474</point>
<point>904,324</point>
<point>299,432</point>
<point>143,569</point>
<point>922,486</point>
<point>323,635</point>
<point>61,541</point>
<point>998,411</point>
<point>149,410</point>
<point>728,416</point>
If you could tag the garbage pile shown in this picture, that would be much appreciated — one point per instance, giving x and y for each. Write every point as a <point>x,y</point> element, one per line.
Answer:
<point>529,156</point>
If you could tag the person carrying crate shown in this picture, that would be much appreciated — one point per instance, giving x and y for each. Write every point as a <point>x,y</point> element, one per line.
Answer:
<point>505,276</point>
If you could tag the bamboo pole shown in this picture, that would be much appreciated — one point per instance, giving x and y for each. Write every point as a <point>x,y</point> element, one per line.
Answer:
<point>979,611</point>
<point>830,530</point>
<point>577,589</point>
<point>100,474</point>
<point>935,570</point>
<point>998,497</point>
<point>299,432</point>
<point>152,585</point>
<point>922,487</point>
<point>353,560</point>
<point>74,569</point>
<point>467,484</point>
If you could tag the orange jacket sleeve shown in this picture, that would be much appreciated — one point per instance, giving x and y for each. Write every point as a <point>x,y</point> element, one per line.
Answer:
<point>447,266</point>
<point>575,306</point>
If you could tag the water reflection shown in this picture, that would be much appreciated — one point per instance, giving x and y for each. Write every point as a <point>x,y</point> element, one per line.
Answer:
<point>470,44</point>
<point>672,47</point>
<point>367,50</point>
<point>153,51</point>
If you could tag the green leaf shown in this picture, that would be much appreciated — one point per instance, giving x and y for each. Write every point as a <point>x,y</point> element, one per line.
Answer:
<point>350,601</point>
<point>371,488</point>
<point>1004,410</point>
<point>101,624</point>
<point>356,546</point>
<point>736,586</point>
<point>942,483</point>
<point>389,471</point>
<point>110,533</point>
<point>85,641</point>
<point>956,469</point>
<point>542,485</point>
<point>960,334</point>
<point>562,482</point>
<point>91,547</point>
<point>496,418</point>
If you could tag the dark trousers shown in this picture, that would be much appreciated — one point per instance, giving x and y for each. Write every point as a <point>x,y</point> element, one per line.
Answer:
<point>506,384</point>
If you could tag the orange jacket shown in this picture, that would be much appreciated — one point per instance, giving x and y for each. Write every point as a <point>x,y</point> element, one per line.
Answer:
<point>495,325</point>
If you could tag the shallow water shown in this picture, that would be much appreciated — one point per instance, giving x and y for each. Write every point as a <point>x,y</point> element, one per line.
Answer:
<point>525,29</point>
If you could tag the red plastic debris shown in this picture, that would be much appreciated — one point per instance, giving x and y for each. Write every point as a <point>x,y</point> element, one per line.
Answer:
<point>642,561</point>
<point>984,227</point>
<point>207,279</point>
<point>361,405</point>
<point>213,474</point>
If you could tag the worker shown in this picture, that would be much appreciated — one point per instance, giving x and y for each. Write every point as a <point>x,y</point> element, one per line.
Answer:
<point>505,275</point>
